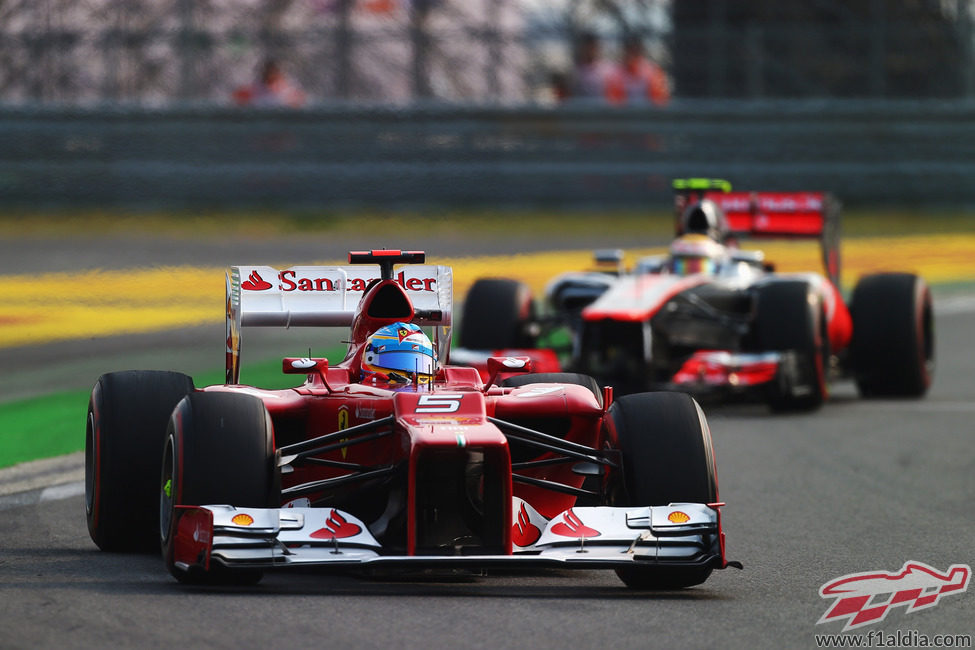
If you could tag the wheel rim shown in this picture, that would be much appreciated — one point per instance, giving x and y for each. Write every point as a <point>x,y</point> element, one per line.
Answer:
<point>166,488</point>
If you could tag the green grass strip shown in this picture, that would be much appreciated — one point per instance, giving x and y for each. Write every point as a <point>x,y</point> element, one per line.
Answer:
<point>52,425</point>
<point>42,427</point>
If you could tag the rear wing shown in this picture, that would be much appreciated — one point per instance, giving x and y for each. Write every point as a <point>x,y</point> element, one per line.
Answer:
<point>795,215</point>
<point>327,296</point>
<point>792,215</point>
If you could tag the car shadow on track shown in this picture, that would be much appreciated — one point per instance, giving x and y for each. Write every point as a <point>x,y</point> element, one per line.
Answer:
<point>550,585</point>
<point>72,568</point>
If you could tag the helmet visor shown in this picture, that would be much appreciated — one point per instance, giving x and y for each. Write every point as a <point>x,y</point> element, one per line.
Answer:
<point>691,264</point>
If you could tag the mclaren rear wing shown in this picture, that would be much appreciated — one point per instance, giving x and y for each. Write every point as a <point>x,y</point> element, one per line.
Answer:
<point>327,296</point>
<point>793,215</point>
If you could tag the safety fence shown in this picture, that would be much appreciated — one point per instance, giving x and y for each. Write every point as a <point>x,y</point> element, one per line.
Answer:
<point>897,153</point>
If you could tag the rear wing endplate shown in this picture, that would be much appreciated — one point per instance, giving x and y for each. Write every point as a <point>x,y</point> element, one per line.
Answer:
<point>327,296</point>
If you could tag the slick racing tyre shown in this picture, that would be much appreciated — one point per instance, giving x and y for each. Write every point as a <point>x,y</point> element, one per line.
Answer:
<point>219,450</point>
<point>665,444</point>
<point>498,313</point>
<point>893,335</point>
<point>556,378</point>
<point>791,319</point>
<point>124,435</point>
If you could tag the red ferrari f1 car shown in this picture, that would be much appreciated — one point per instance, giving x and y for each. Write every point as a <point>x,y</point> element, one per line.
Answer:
<point>713,319</point>
<point>392,458</point>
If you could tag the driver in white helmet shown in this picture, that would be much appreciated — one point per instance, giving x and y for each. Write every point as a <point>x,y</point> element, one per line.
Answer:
<point>696,253</point>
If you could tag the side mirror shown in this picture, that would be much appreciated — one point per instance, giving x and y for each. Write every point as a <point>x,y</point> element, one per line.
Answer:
<point>306,366</point>
<point>609,259</point>
<point>303,365</point>
<point>506,365</point>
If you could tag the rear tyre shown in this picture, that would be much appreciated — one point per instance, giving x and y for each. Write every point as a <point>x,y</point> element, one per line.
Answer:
<point>498,313</point>
<point>219,450</point>
<point>791,319</point>
<point>667,457</point>
<point>556,378</point>
<point>893,336</point>
<point>124,435</point>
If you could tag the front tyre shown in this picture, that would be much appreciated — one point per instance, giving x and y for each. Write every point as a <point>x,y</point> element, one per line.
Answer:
<point>791,320</point>
<point>667,457</point>
<point>893,335</point>
<point>219,450</point>
<point>124,433</point>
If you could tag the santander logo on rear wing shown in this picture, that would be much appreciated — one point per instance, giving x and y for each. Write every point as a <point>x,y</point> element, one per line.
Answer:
<point>328,295</point>
<point>774,214</point>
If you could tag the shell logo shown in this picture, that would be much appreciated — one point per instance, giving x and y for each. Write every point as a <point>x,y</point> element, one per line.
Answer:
<point>243,519</point>
<point>678,517</point>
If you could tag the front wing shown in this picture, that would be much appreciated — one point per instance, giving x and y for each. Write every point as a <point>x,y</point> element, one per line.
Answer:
<point>710,370</point>
<point>678,535</point>
<point>730,374</point>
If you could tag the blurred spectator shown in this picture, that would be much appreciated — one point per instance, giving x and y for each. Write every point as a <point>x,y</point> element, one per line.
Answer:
<point>637,79</point>
<point>560,88</point>
<point>271,89</point>
<point>591,72</point>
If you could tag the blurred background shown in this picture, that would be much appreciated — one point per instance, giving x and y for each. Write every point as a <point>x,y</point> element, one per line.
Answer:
<point>295,104</point>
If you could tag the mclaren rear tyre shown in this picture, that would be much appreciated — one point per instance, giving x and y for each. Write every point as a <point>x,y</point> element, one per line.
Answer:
<point>791,319</point>
<point>498,313</point>
<point>667,457</point>
<point>124,435</point>
<point>219,450</point>
<point>893,335</point>
<point>557,378</point>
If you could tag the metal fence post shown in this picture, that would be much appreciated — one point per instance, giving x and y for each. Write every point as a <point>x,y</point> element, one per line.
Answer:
<point>419,10</point>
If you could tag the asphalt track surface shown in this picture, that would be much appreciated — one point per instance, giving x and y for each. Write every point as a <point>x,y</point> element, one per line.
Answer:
<point>859,486</point>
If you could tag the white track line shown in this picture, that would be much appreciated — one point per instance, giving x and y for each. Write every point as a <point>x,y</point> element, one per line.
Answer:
<point>31,497</point>
<point>48,479</point>
<point>63,491</point>
<point>950,305</point>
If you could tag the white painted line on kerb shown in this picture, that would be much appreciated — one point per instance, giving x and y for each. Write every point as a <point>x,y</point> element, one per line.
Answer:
<point>49,479</point>
<point>951,305</point>
<point>63,491</point>
<point>33,497</point>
